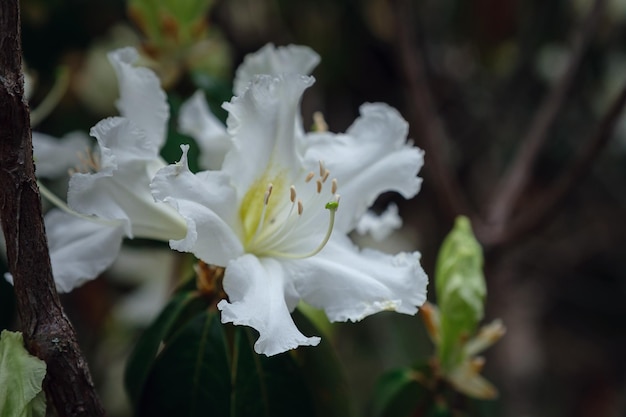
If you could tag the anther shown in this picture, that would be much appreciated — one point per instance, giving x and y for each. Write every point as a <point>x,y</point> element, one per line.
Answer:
<point>333,186</point>
<point>268,193</point>
<point>322,169</point>
<point>292,193</point>
<point>332,207</point>
<point>319,186</point>
<point>326,174</point>
<point>309,177</point>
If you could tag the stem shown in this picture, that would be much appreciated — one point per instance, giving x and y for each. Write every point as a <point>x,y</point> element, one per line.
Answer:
<point>48,334</point>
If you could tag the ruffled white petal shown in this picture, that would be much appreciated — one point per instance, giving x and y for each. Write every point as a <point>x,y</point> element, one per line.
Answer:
<point>207,202</point>
<point>80,250</point>
<point>263,122</point>
<point>349,284</point>
<point>54,157</point>
<point>256,290</point>
<point>379,226</point>
<point>197,121</point>
<point>141,98</point>
<point>120,189</point>
<point>371,158</point>
<point>291,59</point>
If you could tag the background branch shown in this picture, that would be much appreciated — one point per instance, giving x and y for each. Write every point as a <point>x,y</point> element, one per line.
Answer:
<point>517,177</point>
<point>428,127</point>
<point>549,199</point>
<point>48,333</point>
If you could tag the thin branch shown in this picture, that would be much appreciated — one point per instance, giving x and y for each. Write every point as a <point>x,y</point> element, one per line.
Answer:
<point>48,333</point>
<point>430,132</point>
<point>549,199</point>
<point>517,177</point>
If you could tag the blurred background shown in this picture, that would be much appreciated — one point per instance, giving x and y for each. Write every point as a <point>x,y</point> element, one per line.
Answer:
<point>516,104</point>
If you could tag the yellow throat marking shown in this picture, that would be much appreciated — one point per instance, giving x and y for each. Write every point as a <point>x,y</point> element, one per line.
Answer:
<point>253,203</point>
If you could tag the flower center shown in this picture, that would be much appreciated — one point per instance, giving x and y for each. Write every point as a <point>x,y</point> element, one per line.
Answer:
<point>283,222</point>
<point>88,162</point>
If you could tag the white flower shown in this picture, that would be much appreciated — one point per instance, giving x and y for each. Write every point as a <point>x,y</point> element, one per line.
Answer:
<point>54,157</point>
<point>113,195</point>
<point>272,216</point>
<point>196,119</point>
<point>380,226</point>
<point>270,60</point>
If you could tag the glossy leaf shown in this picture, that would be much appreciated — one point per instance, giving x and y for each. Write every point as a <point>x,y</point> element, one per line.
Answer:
<point>208,368</point>
<point>191,375</point>
<point>266,386</point>
<point>180,308</point>
<point>323,372</point>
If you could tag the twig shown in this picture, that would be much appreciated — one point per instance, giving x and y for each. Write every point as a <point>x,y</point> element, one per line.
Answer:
<point>548,200</point>
<point>517,177</point>
<point>424,120</point>
<point>48,333</point>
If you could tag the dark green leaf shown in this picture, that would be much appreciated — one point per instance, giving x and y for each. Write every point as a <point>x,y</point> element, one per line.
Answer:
<point>324,373</point>
<point>207,368</point>
<point>267,386</point>
<point>191,376</point>
<point>179,309</point>
<point>400,393</point>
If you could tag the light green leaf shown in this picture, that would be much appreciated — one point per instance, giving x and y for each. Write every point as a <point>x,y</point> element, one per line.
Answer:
<point>21,376</point>
<point>461,290</point>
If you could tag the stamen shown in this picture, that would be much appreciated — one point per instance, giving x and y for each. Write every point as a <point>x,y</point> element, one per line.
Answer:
<point>300,207</point>
<point>268,193</point>
<point>88,162</point>
<point>292,193</point>
<point>322,169</point>
<point>319,186</point>
<point>326,174</point>
<point>332,206</point>
<point>333,186</point>
<point>309,177</point>
<point>266,199</point>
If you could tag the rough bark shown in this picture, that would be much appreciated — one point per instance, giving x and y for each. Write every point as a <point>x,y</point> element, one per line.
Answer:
<point>48,333</point>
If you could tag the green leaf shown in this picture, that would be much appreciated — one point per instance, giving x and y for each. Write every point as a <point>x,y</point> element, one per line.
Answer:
<point>323,372</point>
<point>208,368</point>
<point>182,307</point>
<point>191,375</point>
<point>21,376</point>
<point>267,386</point>
<point>401,392</point>
<point>461,290</point>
